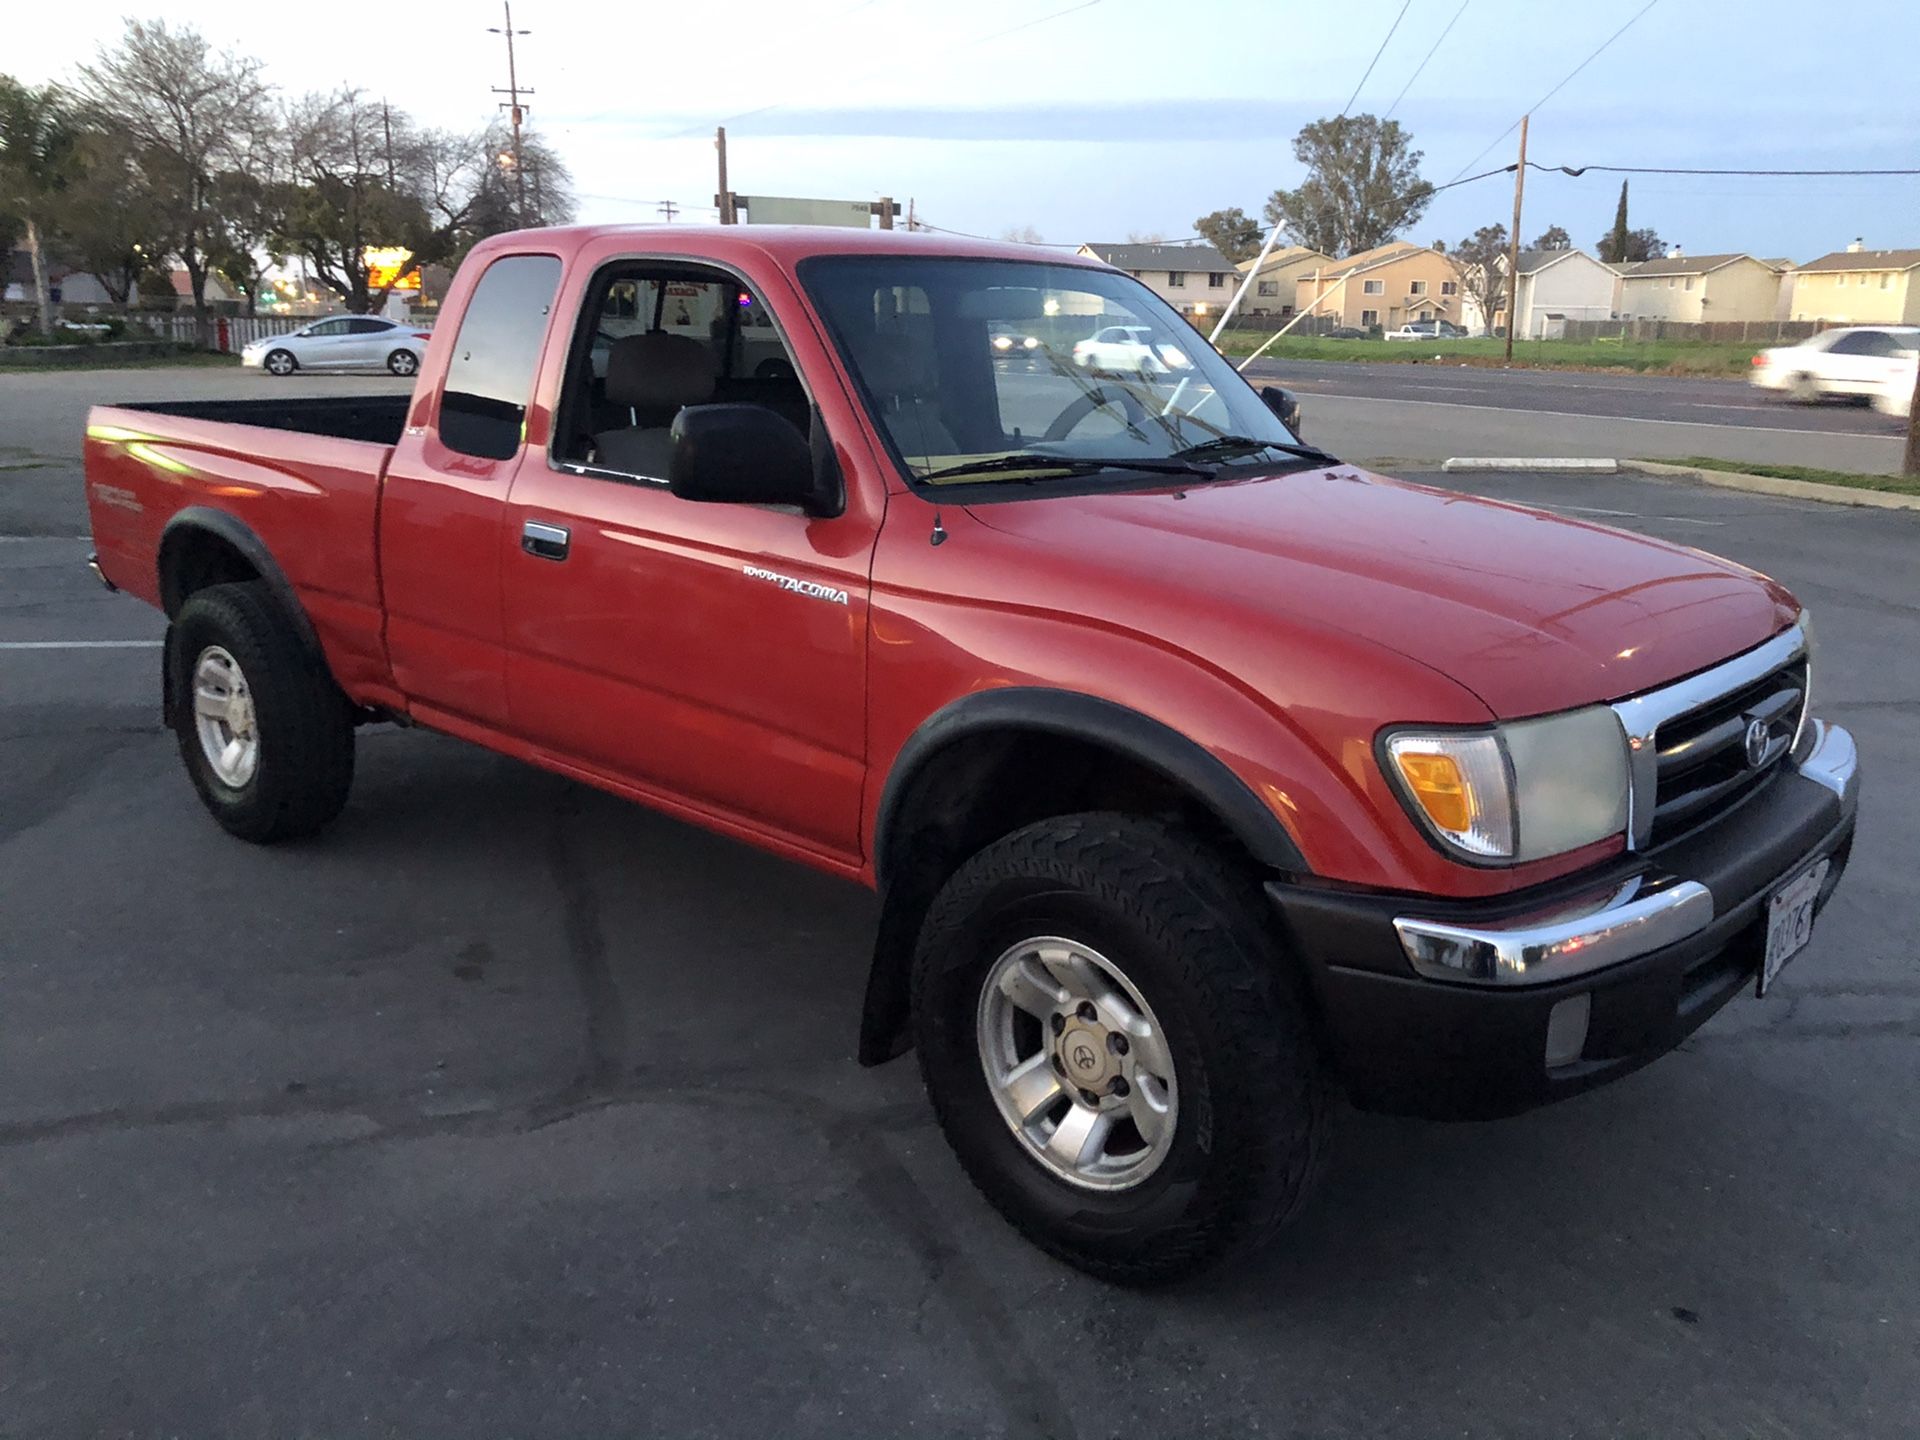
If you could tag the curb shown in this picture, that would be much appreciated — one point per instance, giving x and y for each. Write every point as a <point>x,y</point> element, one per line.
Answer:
<point>1773,485</point>
<point>1562,463</point>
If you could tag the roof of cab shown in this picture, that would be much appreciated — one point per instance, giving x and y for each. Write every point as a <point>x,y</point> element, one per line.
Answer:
<point>788,244</point>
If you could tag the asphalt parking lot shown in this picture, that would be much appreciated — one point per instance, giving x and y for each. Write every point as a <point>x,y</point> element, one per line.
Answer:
<point>505,1108</point>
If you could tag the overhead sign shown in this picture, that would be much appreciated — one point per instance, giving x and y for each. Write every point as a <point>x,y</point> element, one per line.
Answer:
<point>385,263</point>
<point>793,210</point>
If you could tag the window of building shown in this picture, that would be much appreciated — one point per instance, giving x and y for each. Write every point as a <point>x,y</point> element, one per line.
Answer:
<point>1369,317</point>
<point>1670,282</point>
<point>1373,287</point>
<point>1886,280</point>
<point>1449,287</point>
<point>1418,287</point>
<point>1269,289</point>
<point>1176,279</point>
<point>494,355</point>
<point>1426,315</point>
<point>1689,283</point>
<point>1215,280</point>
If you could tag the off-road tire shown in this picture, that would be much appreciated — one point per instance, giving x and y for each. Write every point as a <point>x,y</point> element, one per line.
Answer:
<point>1191,930</point>
<point>304,721</point>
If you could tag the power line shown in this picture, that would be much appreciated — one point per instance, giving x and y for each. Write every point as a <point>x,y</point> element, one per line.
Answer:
<point>1376,58</point>
<point>1561,86</point>
<point>1578,170</point>
<point>1423,64</point>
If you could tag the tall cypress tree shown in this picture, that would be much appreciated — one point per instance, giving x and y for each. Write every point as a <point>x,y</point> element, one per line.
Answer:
<point>1617,242</point>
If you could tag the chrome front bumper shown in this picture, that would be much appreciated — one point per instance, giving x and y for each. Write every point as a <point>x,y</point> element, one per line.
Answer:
<point>1576,937</point>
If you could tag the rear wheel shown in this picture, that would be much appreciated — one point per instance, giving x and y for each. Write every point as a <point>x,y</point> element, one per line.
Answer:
<point>1804,389</point>
<point>1116,1049</point>
<point>265,733</point>
<point>280,362</point>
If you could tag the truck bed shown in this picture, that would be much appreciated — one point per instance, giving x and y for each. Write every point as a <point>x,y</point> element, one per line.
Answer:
<point>375,418</point>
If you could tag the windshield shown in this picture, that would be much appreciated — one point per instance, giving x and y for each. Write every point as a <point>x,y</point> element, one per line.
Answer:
<point>1100,372</point>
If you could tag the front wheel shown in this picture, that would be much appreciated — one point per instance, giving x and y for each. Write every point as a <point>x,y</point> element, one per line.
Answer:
<point>403,362</point>
<point>266,734</point>
<point>1116,1047</point>
<point>280,362</point>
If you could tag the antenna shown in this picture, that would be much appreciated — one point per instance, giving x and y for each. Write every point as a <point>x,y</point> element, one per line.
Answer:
<point>513,92</point>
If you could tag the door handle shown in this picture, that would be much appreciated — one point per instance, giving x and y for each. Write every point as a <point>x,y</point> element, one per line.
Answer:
<point>549,542</point>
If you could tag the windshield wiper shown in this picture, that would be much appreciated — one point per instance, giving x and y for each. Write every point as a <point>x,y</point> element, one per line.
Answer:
<point>1226,447</point>
<point>1069,465</point>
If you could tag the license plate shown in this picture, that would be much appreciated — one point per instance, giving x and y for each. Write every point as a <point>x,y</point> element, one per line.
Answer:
<point>1790,921</point>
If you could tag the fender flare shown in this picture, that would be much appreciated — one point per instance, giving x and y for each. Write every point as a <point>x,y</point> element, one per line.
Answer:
<point>254,550</point>
<point>1033,710</point>
<point>1074,715</point>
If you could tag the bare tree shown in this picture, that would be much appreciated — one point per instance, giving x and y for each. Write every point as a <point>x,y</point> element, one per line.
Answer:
<point>1481,257</point>
<point>1023,235</point>
<point>180,100</point>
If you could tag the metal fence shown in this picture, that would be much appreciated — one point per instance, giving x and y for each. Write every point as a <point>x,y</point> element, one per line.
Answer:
<point>1725,331</point>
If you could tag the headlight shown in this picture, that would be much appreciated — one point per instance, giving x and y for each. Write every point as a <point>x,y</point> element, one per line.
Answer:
<point>1519,791</point>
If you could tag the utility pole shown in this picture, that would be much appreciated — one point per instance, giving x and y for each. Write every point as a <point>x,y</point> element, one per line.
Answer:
<point>912,224</point>
<point>725,198</point>
<point>1911,468</point>
<point>1513,241</point>
<point>513,92</point>
<point>886,212</point>
<point>669,209</point>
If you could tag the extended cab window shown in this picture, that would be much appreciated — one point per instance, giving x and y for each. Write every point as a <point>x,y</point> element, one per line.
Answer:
<point>654,338</point>
<point>495,354</point>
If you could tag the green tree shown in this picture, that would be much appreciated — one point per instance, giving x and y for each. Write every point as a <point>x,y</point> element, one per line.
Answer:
<point>1363,186</point>
<point>37,138</point>
<point>196,113</point>
<point>1553,238</point>
<point>1613,245</point>
<point>1233,232</point>
<point>112,216</point>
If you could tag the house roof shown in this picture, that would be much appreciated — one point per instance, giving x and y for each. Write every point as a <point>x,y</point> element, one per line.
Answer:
<point>1863,260</point>
<point>1285,255</point>
<point>1160,257</point>
<point>1379,255</point>
<point>1536,260</point>
<point>1686,265</point>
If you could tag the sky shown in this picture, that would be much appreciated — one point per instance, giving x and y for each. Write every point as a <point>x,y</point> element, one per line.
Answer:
<point>1100,119</point>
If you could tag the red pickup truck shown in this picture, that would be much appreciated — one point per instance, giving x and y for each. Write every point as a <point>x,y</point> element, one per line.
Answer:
<point>1203,777</point>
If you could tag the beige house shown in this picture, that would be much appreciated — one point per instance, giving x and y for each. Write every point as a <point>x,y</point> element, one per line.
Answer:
<point>1197,280</point>
<point>1386,286</point>
<point>1273,290</point>
<point>1700,288</point>
<point>1858,286</point>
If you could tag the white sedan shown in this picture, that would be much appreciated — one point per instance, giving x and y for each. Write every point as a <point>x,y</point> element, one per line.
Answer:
<point>1128,350</point>
<point>1874,363</point>
<point>341,342</point>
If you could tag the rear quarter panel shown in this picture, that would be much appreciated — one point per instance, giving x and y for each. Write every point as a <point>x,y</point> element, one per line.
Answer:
<point>311,500</point>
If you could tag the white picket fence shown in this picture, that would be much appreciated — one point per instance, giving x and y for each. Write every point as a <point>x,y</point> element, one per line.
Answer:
<point>231,333</point>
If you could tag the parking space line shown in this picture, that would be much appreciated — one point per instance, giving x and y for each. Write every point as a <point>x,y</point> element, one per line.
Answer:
<point>81,644</point>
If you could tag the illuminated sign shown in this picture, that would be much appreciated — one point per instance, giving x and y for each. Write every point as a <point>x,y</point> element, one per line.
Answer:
<point>385,263</point>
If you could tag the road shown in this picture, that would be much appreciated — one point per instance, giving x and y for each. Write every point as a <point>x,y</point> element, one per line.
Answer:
<point>508,1108</point>
<point>1395,413</point>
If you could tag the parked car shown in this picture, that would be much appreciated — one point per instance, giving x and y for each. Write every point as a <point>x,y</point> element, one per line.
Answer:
<point>1129,350</point>
<point>341,342</point>
<point>1201,776</point>
<point>1427,330</point>
<point>1346,332</point>
<point>1869,363</point>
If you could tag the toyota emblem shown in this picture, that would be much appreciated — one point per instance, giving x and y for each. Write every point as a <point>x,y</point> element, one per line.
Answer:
<point>1084,1057</point>
<point>1759,740</point>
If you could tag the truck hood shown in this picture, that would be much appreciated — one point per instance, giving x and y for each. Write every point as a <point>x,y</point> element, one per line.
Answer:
<point>1533,612</point>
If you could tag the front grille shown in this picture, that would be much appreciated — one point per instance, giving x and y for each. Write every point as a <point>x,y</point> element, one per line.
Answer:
<point>1703,766</point>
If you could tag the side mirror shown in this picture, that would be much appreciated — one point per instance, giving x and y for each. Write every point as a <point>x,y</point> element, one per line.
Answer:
<point>747,455</point>
<point>1284,404</point>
